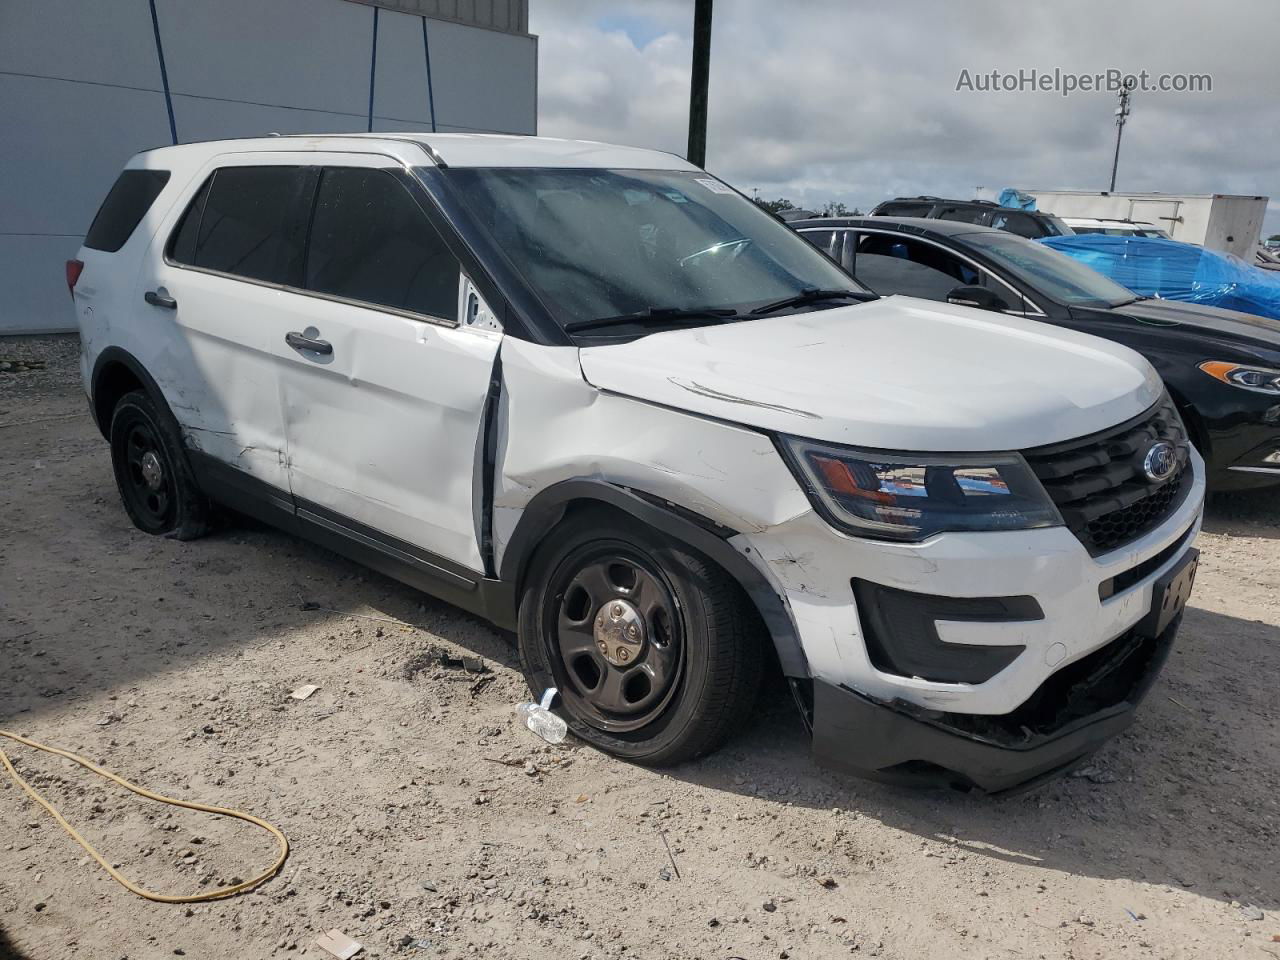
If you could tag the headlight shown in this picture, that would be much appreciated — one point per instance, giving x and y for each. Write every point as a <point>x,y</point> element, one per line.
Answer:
<point>911,497</point>
<point>1258,379</point>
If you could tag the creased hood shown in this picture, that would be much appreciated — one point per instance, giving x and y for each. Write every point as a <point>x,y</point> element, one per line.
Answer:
<point>896,373</point>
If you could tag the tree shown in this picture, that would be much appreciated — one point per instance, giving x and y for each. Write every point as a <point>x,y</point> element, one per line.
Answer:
<point>834,208</point>
<point>776,206</point>
<point>1274,238</point>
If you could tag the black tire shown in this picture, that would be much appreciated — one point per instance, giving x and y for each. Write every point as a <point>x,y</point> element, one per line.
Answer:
<point>692,617</point>
<point>154,478</point>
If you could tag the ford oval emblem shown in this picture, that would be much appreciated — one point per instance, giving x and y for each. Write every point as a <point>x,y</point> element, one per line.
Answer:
<point>1161,461</point>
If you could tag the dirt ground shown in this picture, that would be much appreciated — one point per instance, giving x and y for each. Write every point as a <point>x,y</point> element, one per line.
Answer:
<point>426,822</point>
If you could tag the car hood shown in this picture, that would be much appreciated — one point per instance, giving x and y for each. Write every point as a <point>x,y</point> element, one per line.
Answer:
<point>1233,323</point>
<point>896,373</point>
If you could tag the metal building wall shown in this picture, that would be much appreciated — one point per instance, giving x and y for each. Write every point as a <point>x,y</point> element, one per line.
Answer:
<point>81,91</point>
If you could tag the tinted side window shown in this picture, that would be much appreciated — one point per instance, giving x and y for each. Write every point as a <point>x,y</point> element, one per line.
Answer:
<point>964,214</point>
<point>248,225</point>
<point>824,240</point>
<point>130,198</point>
<point>1018,223</point>
<point>371,242</point>
<point>889,264</point>
<point>893,209</point>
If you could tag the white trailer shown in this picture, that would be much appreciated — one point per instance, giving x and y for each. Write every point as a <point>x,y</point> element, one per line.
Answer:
<point>1218,221</point>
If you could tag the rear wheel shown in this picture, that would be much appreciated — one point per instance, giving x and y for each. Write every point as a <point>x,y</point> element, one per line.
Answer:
<point>157,488</point>
<point>655,650</point>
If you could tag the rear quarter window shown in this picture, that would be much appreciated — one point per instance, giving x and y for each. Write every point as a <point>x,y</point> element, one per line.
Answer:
<point>127,203</point>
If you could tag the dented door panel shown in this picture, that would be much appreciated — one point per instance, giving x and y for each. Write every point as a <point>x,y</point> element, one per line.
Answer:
<point>213,361</point>
<point>387,429</point>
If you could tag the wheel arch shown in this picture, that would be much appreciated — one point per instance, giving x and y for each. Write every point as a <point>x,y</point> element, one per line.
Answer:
<point>115,373</point>
<point>552,505</point>
<point>1196,426</point>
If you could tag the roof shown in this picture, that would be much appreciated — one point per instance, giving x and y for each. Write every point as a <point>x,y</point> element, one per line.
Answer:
<point>946,228</point>
<point>455,149</point>
<point>932,199</point>
<point>1144,196</point>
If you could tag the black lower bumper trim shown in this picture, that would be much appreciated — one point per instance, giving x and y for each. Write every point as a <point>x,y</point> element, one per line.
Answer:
<point>902,743</point>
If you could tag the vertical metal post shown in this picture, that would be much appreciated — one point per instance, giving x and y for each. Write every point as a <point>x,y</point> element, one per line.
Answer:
<point>1122,112</point>
<point>164,73</point>
<point>373,66</point>
<point>698,83</point>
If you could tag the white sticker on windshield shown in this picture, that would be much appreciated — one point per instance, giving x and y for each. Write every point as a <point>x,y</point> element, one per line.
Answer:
<point>715,186</point>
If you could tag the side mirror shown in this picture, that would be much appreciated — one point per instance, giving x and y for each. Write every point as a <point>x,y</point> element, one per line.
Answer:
<point>974,296</point>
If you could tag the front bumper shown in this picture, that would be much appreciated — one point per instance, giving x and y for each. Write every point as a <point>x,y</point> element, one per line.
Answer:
<point>1242,431</point>
<point>1040,607</point>
<point>1076,711</point>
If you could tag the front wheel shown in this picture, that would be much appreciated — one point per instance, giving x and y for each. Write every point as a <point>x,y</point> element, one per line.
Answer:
<point>655,650</point>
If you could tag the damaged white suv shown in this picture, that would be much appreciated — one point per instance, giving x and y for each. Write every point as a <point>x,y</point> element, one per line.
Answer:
<point>597,396</point>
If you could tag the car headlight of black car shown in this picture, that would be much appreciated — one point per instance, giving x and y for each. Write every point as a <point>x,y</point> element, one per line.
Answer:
<point>904,496</point>
<point>1258,379</point>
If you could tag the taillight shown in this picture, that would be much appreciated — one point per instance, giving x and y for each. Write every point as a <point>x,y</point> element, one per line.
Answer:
<point>74,269</point>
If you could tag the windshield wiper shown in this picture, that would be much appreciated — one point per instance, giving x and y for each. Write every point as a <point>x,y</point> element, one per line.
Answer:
<point>813,295</point>
<point>656,315</point>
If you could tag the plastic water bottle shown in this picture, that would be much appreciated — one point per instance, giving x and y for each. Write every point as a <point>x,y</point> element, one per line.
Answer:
<point>539,718</point>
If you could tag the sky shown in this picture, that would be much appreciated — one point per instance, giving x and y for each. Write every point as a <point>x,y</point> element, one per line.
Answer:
<point>818,100</point>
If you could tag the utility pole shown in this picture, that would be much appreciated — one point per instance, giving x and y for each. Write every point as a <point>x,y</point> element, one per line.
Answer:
<point>698,83</point>
<point>1122,113</point>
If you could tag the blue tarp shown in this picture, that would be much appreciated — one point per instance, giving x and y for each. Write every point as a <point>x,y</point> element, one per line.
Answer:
<point>1009,197</point>
<point>1172,270</point>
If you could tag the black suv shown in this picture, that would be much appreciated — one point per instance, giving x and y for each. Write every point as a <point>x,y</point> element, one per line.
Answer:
<point>1032,224</point>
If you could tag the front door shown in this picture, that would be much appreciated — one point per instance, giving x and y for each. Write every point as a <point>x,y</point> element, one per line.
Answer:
<point>383,389</point>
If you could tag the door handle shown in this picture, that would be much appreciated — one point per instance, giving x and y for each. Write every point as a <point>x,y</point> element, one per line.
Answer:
<point>299,342</point>
<point>158,299</point>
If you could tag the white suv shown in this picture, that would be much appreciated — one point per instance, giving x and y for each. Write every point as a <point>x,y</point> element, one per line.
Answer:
<point>599,397</point>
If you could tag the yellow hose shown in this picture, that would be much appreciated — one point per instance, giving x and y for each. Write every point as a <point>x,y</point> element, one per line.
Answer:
<point>218,894</point>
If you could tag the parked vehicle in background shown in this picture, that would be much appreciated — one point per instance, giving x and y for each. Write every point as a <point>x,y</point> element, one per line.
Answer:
<point>1222,367</point>
<point>1229,223</point>
<point>1171,270</point>
<point>602,399</point>
<point>1113,228</point>
<point>1025,223</point>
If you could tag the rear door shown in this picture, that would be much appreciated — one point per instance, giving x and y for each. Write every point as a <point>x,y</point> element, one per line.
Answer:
<point>217,278</point>
<point>385,370</point>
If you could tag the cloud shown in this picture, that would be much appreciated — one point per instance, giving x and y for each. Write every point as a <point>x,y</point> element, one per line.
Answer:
<point>820,99</point>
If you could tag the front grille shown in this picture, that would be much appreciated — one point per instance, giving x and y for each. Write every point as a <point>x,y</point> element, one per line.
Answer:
<point>1098,483</point>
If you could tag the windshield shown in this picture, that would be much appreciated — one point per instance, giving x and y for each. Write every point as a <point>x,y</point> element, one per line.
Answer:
<point>594,244</point>
<point>1052,273</point>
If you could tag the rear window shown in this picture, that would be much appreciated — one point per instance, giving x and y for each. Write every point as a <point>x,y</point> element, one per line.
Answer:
<point>245,221</point>
<point>130,198</point>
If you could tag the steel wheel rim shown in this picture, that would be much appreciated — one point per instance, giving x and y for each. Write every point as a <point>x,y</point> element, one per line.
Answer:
<point>607,690</point>
<point>148,476</point>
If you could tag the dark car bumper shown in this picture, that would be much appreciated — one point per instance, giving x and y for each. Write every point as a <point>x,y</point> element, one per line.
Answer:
<point>1077,710</point>
<point>1240,439</point>
<point>1255,466</point>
